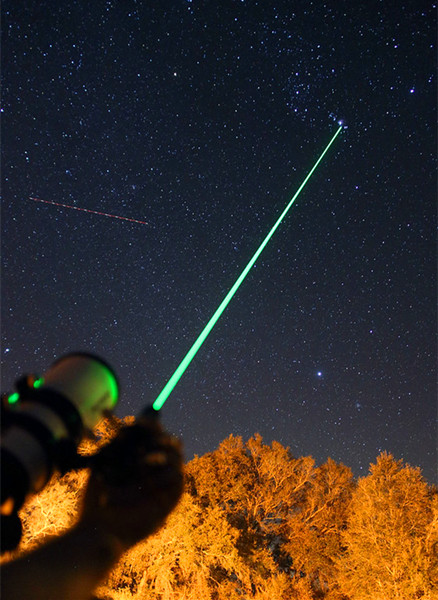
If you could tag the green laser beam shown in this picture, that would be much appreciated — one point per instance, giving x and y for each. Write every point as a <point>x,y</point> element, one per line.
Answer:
<point>166,391</point>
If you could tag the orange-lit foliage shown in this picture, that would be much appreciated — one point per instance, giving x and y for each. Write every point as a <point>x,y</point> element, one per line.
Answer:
<point>56,507</point>
<point>391,540</point>
<point>312,532</point>
<point>255,522</point>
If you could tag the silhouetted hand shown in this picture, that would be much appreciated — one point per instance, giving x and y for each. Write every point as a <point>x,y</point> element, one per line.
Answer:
<point>136,481</point>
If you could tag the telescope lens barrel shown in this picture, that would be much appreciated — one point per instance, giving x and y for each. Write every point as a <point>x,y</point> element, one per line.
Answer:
<point>88,382</point>
<point>50,415</point>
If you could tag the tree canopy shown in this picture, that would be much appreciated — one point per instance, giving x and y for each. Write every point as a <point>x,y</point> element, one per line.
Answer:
<point>256,522</point>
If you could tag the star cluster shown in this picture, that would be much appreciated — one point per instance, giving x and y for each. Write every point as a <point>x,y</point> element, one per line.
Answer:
<point>203,119</point>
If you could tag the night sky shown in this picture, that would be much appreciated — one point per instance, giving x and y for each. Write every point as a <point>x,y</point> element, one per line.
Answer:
<point>202,119</point>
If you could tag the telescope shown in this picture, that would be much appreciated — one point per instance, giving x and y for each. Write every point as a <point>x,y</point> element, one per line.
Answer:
<point>43,423</point>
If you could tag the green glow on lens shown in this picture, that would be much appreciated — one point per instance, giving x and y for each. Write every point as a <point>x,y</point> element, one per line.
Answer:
<point>113,386</point>
<point>38,382</point>
<point>166,391</point>
<point>13,398</point>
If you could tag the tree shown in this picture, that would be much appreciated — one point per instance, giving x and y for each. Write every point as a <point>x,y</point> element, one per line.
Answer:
<point>194,555</point>
<point>431,542</point>
<point>314,527</point>
<point>56,508</point>
<point>258,487</point>
<point>386,556</point>
<point>256,522</point>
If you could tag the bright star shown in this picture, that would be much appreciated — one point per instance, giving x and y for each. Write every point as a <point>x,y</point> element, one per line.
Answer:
<point>319,374</point>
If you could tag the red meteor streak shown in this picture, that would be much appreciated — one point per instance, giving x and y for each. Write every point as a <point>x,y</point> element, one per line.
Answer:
<point>96,212</point>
